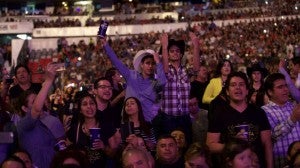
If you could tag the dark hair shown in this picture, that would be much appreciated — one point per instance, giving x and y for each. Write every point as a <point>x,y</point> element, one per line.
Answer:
<point>146,57</point>
<point>239,74</point>
<point>21,66</point>
<point>293,159</point>
<point>101,79</point>
<point>233,148</point>
<point>291,147</point>
<point>110,73</point>
<point>22,151</point>
<point>83,95</point>
<point>220,65</point>
<point>15,159</point>
<point>165,136</point>
<point>296,60</point>
<point>197,149</point>
<point>145,126</point>
<point>61,156</point>
<point>178,43</point>
<point>269,82</point>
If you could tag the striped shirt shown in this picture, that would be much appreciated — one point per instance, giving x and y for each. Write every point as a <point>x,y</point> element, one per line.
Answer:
<point>175,97</point>
<point>284,131</point>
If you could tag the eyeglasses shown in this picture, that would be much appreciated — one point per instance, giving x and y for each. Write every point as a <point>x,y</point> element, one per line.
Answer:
<point>105,87</point>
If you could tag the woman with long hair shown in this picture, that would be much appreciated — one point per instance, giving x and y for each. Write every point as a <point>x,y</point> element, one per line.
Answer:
<point>79,133</point>
<point>214,88</point>
<point>133,112</point>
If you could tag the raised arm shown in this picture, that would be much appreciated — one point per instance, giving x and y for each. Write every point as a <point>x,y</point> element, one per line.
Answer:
<point>161,77</point>
<point>295,92</point>
<point>43,93</point>
<point>124,71</point>
<point>165,55</point>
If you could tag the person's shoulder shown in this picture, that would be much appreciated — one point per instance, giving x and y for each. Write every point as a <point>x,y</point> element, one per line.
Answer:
<point>14,88</point>
<point>215,79</point>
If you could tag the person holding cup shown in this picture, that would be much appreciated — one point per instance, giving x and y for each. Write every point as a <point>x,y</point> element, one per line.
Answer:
<point>86,131</point>
<point>239,119</point>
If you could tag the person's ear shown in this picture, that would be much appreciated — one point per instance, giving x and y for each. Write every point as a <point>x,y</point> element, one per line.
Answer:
<point>95,91</point>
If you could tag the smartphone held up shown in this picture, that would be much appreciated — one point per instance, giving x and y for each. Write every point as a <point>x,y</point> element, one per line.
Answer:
<point>102,29</point>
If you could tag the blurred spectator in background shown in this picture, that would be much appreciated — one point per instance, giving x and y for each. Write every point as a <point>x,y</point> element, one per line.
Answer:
<point>167,154</point>
<point>216,84</point>
<point>14,162</point>
<point>199,120</point>
<point>256,75</point>
<point>198,86</point>
<point>137,157</point>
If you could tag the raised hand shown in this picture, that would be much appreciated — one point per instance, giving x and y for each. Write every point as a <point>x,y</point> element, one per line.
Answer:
<point>194,39</point>
<point>164,39</point>
<point>295,117</point>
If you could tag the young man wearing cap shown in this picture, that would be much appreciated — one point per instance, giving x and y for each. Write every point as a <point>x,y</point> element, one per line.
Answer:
<point>175,98</point>
<point>141,82</point>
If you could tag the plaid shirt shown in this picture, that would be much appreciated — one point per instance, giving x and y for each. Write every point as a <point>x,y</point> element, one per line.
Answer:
<point>284,131</point>
<point>175,97</point>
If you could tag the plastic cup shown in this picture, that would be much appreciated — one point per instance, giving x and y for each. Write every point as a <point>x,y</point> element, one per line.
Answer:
<point>94,135</point>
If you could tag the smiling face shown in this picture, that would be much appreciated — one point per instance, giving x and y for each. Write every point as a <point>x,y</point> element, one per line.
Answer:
<point>88,107</point>
<point>174,54</point>
<point>103,90</point>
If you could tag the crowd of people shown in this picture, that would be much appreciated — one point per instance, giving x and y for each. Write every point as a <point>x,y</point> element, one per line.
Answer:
<point>154,112</point>
<point>186,13</point>
<point>207,96</point>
